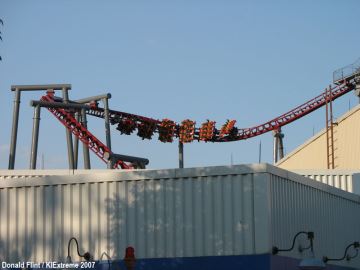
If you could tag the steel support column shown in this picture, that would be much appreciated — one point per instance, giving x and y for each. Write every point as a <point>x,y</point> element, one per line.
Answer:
<point>35,138</point>
<point>76,144</point>
<point>275,150</point>
<point>281,146</point>
<point>181,155</point>
<point>70,150</point>
<point>278,145</point>
<point>107,128</point>
<point>86,153</point>
<point>14,129</point>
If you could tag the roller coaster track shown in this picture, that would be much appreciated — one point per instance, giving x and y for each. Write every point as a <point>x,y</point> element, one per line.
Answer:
<point>85,136</point>
<point>345,80</point>
<point>66,117</point>
<point>244,133</point>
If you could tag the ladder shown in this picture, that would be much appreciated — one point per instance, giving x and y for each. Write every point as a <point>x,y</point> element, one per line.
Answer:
<point>329,129</point>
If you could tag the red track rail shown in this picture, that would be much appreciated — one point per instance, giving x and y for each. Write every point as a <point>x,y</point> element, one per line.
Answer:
<point>246,133</point>
<point>85,136</point>
<point>103,152</point>
<point>296,113</point>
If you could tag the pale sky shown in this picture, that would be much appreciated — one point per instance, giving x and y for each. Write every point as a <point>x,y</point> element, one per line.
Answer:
<point>217,60</point>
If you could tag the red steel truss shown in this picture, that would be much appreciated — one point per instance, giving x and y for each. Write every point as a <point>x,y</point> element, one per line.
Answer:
<point>244,133</point>
<point>85,136</point>
<point>103,152</point>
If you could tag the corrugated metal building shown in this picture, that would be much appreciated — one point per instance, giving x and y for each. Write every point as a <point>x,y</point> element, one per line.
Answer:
<point>196,218</point>
<point>348,180</point>
<point>313,154</point>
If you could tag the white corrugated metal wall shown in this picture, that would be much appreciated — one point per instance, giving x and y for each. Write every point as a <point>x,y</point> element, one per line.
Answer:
<point>302,205</point>
<point>342,179</point>
<point>159,213</point>
<point>235,210</point>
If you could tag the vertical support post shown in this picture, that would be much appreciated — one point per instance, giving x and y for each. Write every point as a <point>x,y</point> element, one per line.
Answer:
<point>70,150</point>
<point>107,128</point>
<point>281,148</point>
<point>14,129</point>
<point>76,144</point>
<point>35,137</point>
<point>260,152</point>
<point>86,153</point>
<point>275,151</point>
<point>181,155</point>
<point>280,143</point>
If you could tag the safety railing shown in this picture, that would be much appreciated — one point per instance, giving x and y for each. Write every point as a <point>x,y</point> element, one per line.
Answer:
<point>346,72</point>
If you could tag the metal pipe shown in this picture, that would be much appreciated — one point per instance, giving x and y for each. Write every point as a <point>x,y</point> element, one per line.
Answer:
<point>65,95</point>
<point>260,152</point>
<point>181,155</point>
<point>14,129</point>
<point>35,138</point>
<point>86,153</point>
<point>59,105</point>
<point>93,98</point>
<point>278,145</point>
<point>281,146</point>
<point>275,147</point>
<point>107,127</point>
<point>41,87</point>
<point>76,144</point>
